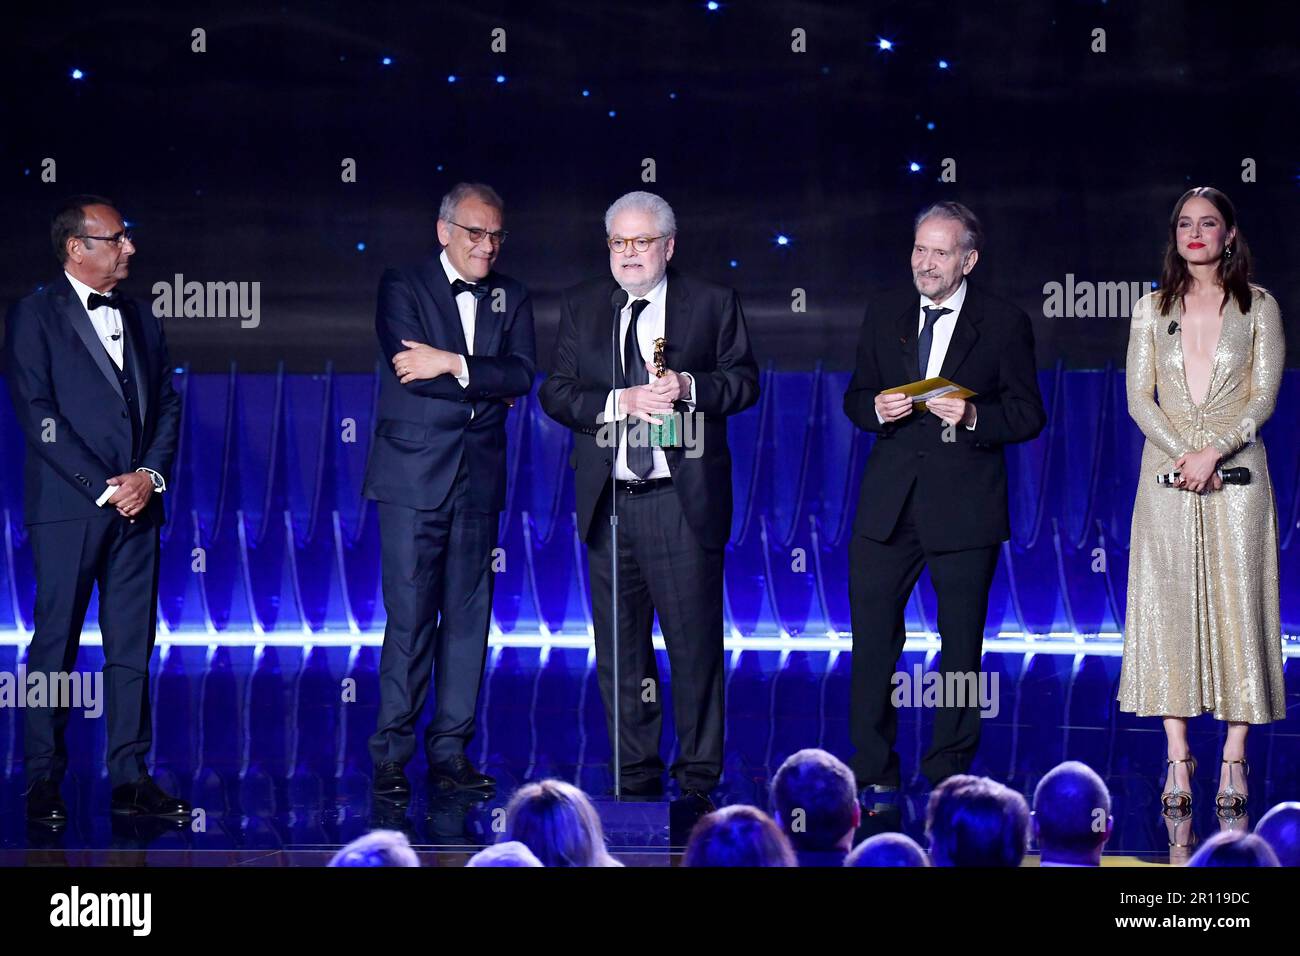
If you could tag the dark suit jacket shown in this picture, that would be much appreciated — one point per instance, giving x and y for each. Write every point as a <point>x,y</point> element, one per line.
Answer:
<point>424,428</point>
<point>64,385</point>
<point>961,486</point>
<point>704,332</point>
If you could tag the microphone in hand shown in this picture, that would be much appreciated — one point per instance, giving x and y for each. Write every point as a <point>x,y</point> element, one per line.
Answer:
<point>1229,476</point>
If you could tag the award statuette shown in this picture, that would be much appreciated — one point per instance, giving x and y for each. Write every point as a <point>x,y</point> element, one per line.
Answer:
<point>665,435</point>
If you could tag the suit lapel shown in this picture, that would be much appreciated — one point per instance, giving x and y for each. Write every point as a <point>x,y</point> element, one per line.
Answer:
<point>907,322</point>
<point>133,332</point>
<point>677,326</point>
<point>677,311</point>
<point>435,279</point>
<point>72,309</point>
<point>487,323</point>
<point>964,335</point>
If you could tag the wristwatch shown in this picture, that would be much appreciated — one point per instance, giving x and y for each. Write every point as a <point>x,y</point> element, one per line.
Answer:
<point>157,479</point>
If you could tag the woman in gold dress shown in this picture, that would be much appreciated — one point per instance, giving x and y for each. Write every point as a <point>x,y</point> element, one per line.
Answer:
<point>1203,626</point>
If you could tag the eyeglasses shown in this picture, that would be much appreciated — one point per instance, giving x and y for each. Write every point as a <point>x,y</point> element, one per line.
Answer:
<point>116,239</point>
<point>477,235</point>
<point>640,243</point>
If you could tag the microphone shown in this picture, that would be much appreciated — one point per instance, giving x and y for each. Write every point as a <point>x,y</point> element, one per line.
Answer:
<point>1229,476</point>
<point>618,299</point>
<point>1173,327</point>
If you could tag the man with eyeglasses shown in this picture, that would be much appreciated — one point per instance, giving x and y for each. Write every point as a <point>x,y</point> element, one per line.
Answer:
<point>674,504</point>
<point>91,384</point>
<point>456,342</point>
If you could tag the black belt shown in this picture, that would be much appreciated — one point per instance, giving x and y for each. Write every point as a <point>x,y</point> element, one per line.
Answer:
<point>641,485</point>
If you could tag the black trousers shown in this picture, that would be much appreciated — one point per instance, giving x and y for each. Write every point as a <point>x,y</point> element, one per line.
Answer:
<point>661,567</point>
<point>881,577</point>
<point>437,581</point>
<point>71,557</point>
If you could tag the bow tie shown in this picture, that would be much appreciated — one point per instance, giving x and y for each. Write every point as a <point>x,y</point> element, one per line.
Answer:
<point>113,300</point>
<point>477,289</point>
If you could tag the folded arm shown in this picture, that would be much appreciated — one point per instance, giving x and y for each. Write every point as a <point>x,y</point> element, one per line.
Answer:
<point>509,374</point>
<point>398,318</point>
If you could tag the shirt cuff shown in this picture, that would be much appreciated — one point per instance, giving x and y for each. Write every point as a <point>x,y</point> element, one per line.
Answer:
<point>463,377</point>
<point>976,413</point>
<point>612,412</point>
<point>689,398</point>
<point>108,493</point>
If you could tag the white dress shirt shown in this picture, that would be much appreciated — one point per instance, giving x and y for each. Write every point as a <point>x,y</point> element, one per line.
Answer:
<point>941,332</point>
<point>106,320</point>
<point>467,306</point>
<point>108,326</point>
<point>649,326</point>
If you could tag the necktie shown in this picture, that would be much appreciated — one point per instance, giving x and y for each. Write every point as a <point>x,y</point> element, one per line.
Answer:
<point>113,300</point>
<point>932,314</point>
<point>640,456</point>
<point>478,289</point>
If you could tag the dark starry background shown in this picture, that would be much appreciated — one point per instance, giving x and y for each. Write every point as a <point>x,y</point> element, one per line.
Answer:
<point>228,162</point>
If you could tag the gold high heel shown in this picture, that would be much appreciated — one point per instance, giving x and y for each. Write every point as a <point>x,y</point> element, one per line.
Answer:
<point>1230,801</point>
<point>1178,800</point>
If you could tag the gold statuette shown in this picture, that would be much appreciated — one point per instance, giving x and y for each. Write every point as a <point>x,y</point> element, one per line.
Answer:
<point>665,435</point>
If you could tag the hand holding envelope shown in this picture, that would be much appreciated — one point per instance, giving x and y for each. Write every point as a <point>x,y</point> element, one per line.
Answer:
<point>895,403</point>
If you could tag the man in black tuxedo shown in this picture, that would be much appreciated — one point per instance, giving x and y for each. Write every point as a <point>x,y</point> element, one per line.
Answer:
<point>674,504</point>
<point>91,384</point>
<point>935,487</point>
<point>456,339</point>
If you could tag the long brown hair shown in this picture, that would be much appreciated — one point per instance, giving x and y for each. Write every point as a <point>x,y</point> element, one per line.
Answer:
<point>1233,272</point>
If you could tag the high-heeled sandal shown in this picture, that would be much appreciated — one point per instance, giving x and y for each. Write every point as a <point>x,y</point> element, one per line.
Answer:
<point>1178,800</point>
<point>1230,801</point>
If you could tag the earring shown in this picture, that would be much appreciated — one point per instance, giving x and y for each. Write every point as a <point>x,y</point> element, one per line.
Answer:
<point>1227,253</point>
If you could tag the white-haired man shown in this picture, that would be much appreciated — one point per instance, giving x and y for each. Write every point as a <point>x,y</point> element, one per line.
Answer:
<point>674,503</point>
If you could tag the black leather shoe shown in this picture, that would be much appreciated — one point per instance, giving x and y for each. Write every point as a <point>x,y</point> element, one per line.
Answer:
<point>145,798</point>
<point>44,803</point>
<point>685,812</point>
<point>457,773</point>
<point>653,787</point>
<point>698,801</point>
<point>390,781</point>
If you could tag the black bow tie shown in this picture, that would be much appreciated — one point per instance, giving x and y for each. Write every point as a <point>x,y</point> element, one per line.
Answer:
<point>477,289</point>
<point>113,300</point>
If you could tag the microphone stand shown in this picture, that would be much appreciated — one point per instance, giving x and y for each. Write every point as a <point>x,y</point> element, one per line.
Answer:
<point>618,301</point>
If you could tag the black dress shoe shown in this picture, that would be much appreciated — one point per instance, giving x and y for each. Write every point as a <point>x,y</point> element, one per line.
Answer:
<point>457,773</point>
<point>390,781</point>
<point>697,801</point>
<point>146,798</point>
<point>654,787</point>
<point>44,803</point>
<point>685,812</point>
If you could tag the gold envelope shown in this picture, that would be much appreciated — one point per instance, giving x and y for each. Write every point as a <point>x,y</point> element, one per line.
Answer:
<point>929,388</point>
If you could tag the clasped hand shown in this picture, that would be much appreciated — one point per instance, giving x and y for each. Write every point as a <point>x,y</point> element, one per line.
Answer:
<point>133,492</point>
<point>420,361</point>
<point>1198,470</point>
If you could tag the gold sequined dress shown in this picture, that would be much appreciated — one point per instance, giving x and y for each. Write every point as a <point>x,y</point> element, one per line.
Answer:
<point>1203,628</point>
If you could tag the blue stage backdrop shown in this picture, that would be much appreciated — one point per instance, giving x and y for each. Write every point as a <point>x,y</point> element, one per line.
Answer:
<point>268,539</point>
